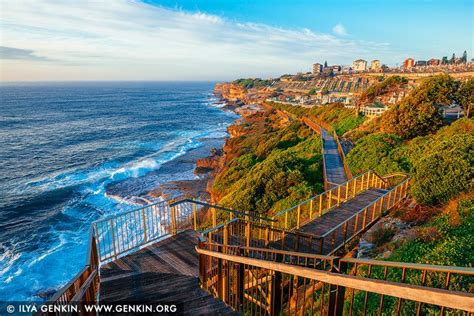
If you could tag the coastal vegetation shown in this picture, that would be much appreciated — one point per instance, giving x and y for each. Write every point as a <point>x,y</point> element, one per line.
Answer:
<point>272,165</point>
<point>252,83</point>
<point>281,166</point>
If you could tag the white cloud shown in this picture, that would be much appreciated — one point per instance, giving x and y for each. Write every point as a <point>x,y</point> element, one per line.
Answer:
<point>119,39</point>
<point>339,29</point>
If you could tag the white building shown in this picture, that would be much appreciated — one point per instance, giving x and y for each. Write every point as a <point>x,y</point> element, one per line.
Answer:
<point>359,65</point>
<point>375,65</point>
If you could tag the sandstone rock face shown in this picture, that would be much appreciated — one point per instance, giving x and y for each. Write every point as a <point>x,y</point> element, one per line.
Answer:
<point>230,91</point>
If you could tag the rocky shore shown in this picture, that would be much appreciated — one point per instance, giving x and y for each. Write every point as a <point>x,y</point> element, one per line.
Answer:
<point>210,159</point>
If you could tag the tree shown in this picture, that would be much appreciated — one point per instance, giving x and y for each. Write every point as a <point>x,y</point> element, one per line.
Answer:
<point>325,64</point>
<point>419,113</point>
<point>444,61</point>
<point>452,61</point>
<point>465,96</point>
<point>464,57</point>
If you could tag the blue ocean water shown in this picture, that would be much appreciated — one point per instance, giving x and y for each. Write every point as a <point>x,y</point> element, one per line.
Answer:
<point>62,144</point>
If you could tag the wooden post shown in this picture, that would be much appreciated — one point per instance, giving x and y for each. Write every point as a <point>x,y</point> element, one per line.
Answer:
<point>320,205</point>
<point>362,181</point>
<point>340,292</point>
<point>311,209</point>
<point>365,218</point>
<point>338,195</point>
<point>247,234</point>
<point>354,188</point>
<point>347,191</point>
<point>173,221</point>
<point>267,236</point>
<point>298,217</point>
<point>276,290</point>
<point>214,218</point>
<point>195,216</point>
<point>330,198</point>
<point>286,220</point>
<point>226,237</point>
<point>240,284</point>
<point>220,279</point>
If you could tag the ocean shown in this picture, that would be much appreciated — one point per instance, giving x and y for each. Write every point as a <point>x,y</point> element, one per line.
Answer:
<point>65,147</point>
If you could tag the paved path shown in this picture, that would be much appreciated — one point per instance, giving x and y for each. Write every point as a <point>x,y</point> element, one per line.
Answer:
<point>167,271</point>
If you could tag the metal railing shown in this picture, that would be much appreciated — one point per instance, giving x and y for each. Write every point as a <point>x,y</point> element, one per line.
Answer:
<point>308,210</point>
<point>267,282</point>
<point>123,233</point>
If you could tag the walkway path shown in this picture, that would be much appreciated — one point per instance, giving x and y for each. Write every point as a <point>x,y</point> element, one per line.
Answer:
<point>333,164</point>
<point>167,271</point>
<point>332,160</point>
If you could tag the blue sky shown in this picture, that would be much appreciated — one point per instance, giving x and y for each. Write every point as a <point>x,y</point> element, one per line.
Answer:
<point>418,28</point>
<point>220,40</point>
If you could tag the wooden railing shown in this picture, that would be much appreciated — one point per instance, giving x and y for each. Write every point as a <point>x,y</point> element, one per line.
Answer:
<point>340,235</point>
<point>84,287</point>
<point>347,170</point>
<point>244,232</point>
<point>265,282</point>
<point>308,210</point>
<point>449,278</point>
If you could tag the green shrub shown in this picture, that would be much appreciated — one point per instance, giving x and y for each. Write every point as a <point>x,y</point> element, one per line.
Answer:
<point>374,152</point>
<point>444,170</point>
<point>419,114</point>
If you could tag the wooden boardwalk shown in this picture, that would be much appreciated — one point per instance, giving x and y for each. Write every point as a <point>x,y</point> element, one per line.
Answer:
<point>333,162</point>
<point>341,213</point>
<point>166,272</point>
<point>327,222</point>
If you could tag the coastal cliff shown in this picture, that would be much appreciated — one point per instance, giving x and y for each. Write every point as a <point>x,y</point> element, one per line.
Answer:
<point>230,91</point>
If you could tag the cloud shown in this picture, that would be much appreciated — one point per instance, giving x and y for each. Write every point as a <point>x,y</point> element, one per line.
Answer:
<point>339,29</point>
<point>131,40</point>
<point>21,54</point>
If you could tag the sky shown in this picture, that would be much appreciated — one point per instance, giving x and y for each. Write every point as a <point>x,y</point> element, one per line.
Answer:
<point>212,40</point>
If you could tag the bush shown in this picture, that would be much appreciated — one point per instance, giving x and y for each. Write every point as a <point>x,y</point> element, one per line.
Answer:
<point>465,96</point>
<point>444,170</point>
<point>382,235</point>
<point>374,152</point>
<point>410,120</point>
<point>419,114</point>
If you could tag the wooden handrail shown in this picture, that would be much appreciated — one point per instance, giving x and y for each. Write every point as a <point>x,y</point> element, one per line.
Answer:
<point>74,290</point>
<point>451,299</point>
<point>408,265</point>
<point>317,125</point>
<point>360,210</point>
<point>239,213</point>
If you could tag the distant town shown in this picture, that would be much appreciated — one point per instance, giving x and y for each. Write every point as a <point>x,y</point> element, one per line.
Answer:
<point>349,84</point>
<point>408,65</point>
